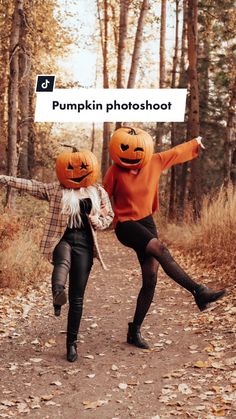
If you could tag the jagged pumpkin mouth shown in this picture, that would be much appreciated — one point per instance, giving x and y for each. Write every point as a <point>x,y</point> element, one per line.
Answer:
<point>130,161</point>
<point>79,179</point>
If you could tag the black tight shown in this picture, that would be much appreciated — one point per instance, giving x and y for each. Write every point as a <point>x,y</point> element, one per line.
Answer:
<point>157,252</point>
<point>160,252</point>
<point>149,276</point>
<point>141,235</point>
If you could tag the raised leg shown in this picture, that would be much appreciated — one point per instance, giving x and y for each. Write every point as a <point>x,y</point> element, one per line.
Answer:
<point>202,294</point>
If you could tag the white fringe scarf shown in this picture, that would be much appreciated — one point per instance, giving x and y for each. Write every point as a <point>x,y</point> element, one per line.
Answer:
<point>71,203</point>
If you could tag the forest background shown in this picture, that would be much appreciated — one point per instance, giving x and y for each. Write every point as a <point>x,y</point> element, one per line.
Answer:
<point>121,44</point>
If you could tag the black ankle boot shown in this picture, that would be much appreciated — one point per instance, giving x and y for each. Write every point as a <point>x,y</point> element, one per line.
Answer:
<point>59,295</point>
<point>204,295</point>
<point>134,337</point>
<point>71,351</point>
<point>57,310</point>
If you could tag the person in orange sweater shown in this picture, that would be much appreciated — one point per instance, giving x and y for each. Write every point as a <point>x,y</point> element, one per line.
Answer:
<point>132,184</point>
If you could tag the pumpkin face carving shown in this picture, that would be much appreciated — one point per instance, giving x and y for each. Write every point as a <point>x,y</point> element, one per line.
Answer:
<point>131,148</point>
<point>77,169</point>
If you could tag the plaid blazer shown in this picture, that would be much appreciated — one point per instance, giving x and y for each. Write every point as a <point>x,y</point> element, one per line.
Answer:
<point>56,222</point>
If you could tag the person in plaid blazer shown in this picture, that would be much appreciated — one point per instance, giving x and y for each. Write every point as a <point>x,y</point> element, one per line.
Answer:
<point>69,243</point>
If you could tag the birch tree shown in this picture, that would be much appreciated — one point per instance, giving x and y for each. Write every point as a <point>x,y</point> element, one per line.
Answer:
<point>123,26</point>
<point>137,44</point>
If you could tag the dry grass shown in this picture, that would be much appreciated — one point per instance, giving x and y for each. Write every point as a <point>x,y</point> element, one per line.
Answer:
<point>21,263</point>
<point>213,236</point>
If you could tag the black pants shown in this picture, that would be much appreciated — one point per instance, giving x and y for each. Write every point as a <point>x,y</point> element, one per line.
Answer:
<point>74,256</point>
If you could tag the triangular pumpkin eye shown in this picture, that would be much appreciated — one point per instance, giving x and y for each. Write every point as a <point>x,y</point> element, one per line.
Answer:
<point>83,166</point>
<point>69,167</point>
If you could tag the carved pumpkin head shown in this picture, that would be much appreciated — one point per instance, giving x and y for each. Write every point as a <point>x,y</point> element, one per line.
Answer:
<point>131,148</point>
<point>76,169</point>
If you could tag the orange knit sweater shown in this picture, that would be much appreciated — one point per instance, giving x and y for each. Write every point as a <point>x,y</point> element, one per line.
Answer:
<point>135,196</point>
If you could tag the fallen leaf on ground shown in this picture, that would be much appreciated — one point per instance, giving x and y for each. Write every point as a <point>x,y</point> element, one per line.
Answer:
<point>92,405</point>
<point>47,397</point>
<point>35,360</point>
<point>123,386</point>
<point>89,356</point>
<point>8,403</point>
<point>184,388</point>
<point>202,364</point>
<point>23,407</point>
<point>219,412</point>
<point>56,383</point>
<point>217,365</point>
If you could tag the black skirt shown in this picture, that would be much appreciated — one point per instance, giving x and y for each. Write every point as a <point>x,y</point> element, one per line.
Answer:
<point>136,234</point>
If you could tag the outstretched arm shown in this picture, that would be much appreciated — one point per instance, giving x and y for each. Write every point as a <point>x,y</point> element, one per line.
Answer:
<point>33,187</point>
<point>180,153</point>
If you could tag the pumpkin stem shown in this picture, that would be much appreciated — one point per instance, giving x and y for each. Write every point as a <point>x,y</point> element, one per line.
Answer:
<point>132,130</point>
<point>74,148</point>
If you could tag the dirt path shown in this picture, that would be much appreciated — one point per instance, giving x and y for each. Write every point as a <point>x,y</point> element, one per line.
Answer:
<point>188,373</point>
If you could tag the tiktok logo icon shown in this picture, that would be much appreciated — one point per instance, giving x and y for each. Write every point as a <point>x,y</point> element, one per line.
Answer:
<point>45,83</point>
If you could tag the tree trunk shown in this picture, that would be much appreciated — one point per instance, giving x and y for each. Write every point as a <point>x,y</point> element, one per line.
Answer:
<point>162,70</point>
<point>193,117</point>
<point>13,96</point>
<point>4,57</point>
<point>137,45</point>
<point>24,83</point>
<point>204,64</point>
<point>183,79</point>
<point>233,167</point>
<point>120,77</point>
<point>115,30</point>
<point>106,125</point>
<point>230,141</point>
<point>183,83</point>
<point>172,201</point>
<point>105,148</point>
<point>123,25</point>
<point>31,137</point>
<point>105,48</point>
